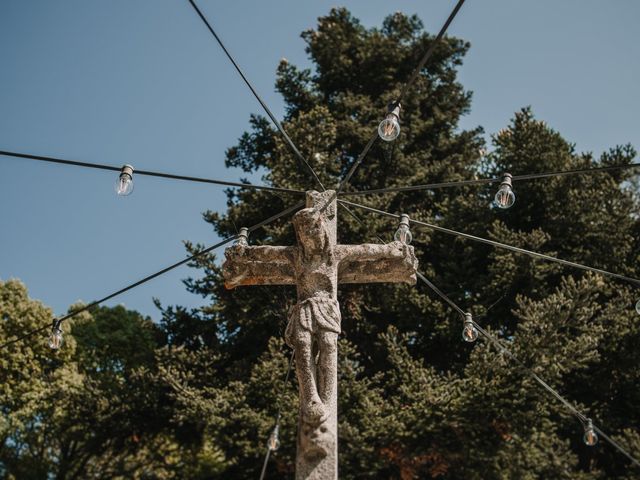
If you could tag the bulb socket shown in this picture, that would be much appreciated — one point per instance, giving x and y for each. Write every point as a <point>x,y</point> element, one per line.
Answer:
<point>404,219</point>
<point>506,179</point>
<point>242,239</point>
<point>468,319</point>
<point>128,169</point>
<point>394,109</point>
<point>588,426</point>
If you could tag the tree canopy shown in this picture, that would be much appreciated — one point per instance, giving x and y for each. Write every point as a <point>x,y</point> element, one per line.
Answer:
<point>196,395</point>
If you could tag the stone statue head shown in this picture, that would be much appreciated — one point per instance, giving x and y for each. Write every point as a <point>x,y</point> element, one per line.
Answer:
<point>311,231</point>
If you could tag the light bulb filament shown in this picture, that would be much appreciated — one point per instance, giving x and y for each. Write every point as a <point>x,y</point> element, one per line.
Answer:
<point>274,439</point>
<point>590,436</point>
<point>389,128</point>
<point>55,337</point>
<point>505,197</point>
<point>469,330</point>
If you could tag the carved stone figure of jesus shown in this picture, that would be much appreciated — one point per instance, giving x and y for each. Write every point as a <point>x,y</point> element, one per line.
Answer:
<point>316,266</point>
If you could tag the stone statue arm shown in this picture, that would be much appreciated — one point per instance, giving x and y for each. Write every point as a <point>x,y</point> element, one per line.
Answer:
<point>261,253</point>
<point>260,265</point>
<point>373,251</point>
<point>375,263</point>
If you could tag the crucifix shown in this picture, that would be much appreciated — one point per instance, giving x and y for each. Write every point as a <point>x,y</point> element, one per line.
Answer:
<point>316,265</point>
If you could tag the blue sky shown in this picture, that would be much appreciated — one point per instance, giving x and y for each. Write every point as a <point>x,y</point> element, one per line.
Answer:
<point>143,82</point>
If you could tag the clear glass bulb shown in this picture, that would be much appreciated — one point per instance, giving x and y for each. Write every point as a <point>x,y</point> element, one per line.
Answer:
<point>469,333</point>
<point>638,307</point>
<point>55,338</point>
<point>389,128</point>
<point>590,436</point>
<point>124,184</point>
<point>505,197</point>
<point>274,440</point>
<point>403,234</point>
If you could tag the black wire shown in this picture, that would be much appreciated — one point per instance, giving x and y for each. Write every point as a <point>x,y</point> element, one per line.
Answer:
<point>358,161</point>
<point>499,245</point>
<point>149,173</point>
<point>277,422</point>
<point>483,181</point>
<point>429,51</point>
<point>583,418</point>
<point>265,463</point>
<point>418,274</point>
<point>150,277</point>
<point>494,341</point>
<point>502,349</point>
<point>351,171</point>
<point>441,294</point>
<point>617,446</point>
<point>417,70</point>
<point>255,94</point>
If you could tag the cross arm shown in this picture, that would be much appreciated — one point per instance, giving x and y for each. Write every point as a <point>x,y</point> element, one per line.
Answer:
<point>259,265</point>
<point>394,262</point>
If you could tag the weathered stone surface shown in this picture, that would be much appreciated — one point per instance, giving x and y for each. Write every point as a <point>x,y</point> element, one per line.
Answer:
<point>316,266</point>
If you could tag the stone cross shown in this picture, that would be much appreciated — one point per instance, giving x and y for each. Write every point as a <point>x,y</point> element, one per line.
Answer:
<point>316,266</point>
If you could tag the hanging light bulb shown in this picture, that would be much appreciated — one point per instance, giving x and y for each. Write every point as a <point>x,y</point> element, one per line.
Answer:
<point>389,128</point>
<point>590,436</point>
<point>124,184</point>
<point>403,233</point>
<point>505,197</point>
<point>469,331</point>
<point>243,237</point>
<point>638,307</point>
<point>273,443</point>
<point>55,338</point>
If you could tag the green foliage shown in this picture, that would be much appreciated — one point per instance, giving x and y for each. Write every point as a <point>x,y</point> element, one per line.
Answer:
<point>196,396</point>
<point>415,401</point>
<point>93,409</point>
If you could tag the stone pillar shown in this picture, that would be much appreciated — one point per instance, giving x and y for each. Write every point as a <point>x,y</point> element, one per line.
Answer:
<point>316,265</point>
<point>317,443</point>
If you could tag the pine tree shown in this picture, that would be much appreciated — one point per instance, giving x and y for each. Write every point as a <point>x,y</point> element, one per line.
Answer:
<point>197,396</point>
<point>92,408</point>
<point>415,401</point>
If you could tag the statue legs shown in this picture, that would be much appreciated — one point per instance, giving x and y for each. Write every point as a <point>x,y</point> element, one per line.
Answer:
<point>314,325</point>
<point>311,403</point>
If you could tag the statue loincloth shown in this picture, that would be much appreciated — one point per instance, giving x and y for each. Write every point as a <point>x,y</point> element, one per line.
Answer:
<point>315,314</point>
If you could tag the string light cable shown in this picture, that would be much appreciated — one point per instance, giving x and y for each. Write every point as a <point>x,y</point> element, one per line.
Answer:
<point>389,128</point>
<point>57,322</point>
<point>484,181</point>
<point>256,95</point>
<point>149,173</point>
<point>470,334</point>
<point>586,421</point>
<point>273,442</point>
<point>430,50</point>
<point>499,245</point>
<point>424,279</point>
